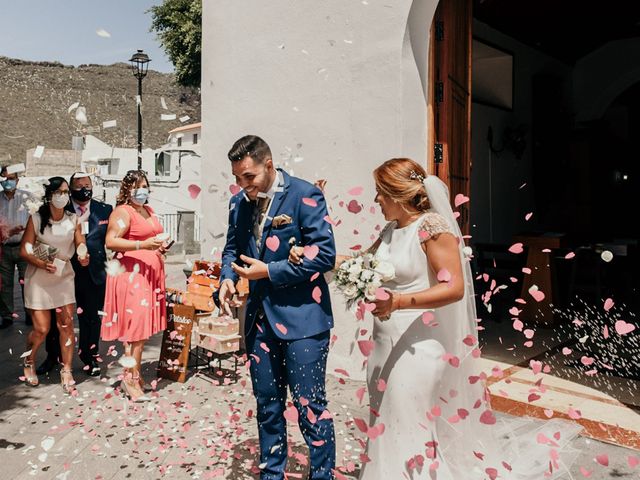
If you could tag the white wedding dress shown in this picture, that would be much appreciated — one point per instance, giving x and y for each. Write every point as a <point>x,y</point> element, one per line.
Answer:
<point>422,378</point>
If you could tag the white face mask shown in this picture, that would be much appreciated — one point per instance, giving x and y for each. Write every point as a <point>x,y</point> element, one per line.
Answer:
<point>140,196</point>
<point>60,200</point>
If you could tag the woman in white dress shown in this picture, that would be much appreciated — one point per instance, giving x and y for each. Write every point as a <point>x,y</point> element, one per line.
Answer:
<point>430,416</point>
<point>50,240</point>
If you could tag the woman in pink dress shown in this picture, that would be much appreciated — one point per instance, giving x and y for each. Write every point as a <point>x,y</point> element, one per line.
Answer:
<point>135,291</point>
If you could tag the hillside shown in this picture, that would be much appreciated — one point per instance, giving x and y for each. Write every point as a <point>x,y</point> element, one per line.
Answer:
<point>35,98</point>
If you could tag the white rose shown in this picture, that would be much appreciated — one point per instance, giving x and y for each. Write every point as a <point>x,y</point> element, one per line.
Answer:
<point>366,275</point>
<point>350,291</point>
<point>386,271</point>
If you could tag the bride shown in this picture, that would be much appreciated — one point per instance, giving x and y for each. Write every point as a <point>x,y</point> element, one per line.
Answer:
<point>430,416</point>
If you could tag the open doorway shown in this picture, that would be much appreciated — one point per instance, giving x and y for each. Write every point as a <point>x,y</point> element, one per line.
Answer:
<point>554,166</point>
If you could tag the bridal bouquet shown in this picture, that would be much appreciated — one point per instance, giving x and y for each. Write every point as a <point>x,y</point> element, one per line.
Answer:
<point>359,277</point>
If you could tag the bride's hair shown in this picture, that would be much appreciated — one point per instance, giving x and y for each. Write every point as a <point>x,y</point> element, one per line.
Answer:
<point>401,180</point>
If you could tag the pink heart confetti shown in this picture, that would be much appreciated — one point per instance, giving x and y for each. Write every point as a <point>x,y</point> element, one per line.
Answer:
<point>234,189</point>
<point>516,248</point>
<point>314,276</point>
<point>574,414</point>
<point>633,461</point>
<point>444,275</point>
<point>569,256</point>
<point>608,304</point>
<point>538,295</point>
<point>355,191</point>
<point>603,459</point>
<point>272,243</point>
<point>291,414</point>
<point>194,190</point>
<point>382,385</point>
<point>487,418</point>
<point>382,294</point>
<point>281,328</point>
<point>518,325</point>
<point>428,317</point>
<point>316,294</point>
<point>586,361</point>
<point>310,202</point>
<point>354,207</point>
<point>311,251</point>
<point>264,347</point>
<point>460,199</point>
<point>528,216</point>
<point>536,366</point>
<point>622,327</point>
<point>366,347</point>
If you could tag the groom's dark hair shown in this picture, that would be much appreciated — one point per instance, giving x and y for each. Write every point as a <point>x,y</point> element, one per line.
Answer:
<point>252,146</point>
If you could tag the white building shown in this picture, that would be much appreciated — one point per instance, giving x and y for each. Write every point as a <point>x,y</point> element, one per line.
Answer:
<point>187,136</point>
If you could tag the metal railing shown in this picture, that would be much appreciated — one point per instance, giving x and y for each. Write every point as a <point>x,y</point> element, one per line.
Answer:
<point>177,227</point>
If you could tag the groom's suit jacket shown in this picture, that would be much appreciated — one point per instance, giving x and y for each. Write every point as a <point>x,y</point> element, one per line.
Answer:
<point>289,297</point>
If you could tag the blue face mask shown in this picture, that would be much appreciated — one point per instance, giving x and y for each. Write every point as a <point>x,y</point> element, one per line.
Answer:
<point>9,185</point>
<point>140,196</point>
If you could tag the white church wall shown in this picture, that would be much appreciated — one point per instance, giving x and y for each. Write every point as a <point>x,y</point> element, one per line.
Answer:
<point>334,87</point>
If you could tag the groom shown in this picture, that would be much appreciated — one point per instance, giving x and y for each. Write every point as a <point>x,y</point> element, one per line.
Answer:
<point>288,314</point>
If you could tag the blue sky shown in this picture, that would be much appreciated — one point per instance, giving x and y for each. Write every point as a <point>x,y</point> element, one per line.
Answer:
<point>65,30</point>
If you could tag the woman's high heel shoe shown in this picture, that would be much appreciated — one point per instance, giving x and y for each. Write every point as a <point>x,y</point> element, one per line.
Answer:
<point>30,377</point>
<point>67,387</point>
<point>130,391</point>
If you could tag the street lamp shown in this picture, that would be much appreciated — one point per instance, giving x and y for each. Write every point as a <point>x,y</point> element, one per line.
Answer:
<point>139,66</point>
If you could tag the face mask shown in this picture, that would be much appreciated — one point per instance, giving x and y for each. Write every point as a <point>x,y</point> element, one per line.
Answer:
<point>140,196</point>
<point>82,195</point>
<point>9,185</point>
<point>60,201</point>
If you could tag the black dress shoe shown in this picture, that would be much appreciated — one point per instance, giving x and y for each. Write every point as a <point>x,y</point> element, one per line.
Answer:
<point>6,323</point>
<point>46,366</point>
<point>93,369</point>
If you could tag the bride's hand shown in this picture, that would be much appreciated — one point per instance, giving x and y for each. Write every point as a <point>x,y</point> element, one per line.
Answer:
<point>295,255</point>
<point>386,306</point>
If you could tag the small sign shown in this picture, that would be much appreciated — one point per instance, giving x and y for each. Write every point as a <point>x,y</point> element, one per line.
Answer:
<point>176,343</point>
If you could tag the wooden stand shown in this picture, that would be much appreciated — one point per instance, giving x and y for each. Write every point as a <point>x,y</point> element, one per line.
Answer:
<point>543,275</point>
<point>174,355</point>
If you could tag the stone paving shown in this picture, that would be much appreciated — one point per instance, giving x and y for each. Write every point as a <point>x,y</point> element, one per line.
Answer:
<point>200,429</point>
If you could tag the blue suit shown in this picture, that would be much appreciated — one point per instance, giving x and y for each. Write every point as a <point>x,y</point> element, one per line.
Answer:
<point>288,319</point>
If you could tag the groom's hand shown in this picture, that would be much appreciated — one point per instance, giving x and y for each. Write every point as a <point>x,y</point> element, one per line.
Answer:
<point>225,296</point>
<point>255,270</point>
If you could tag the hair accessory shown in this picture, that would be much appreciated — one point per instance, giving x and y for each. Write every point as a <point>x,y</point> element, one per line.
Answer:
<point>416,176</point>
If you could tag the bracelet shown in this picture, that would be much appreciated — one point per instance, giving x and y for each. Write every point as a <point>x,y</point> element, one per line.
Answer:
<point>137,244</point>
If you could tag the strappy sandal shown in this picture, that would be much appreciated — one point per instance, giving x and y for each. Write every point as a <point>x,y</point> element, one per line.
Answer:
<point>126,389</point>
<point>30,379</point>
<point>68,388</point>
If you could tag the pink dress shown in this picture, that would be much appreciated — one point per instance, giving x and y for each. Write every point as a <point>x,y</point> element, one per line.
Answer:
<point>135,303</point>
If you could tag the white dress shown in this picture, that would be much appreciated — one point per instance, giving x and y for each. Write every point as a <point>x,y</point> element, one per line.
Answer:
<point>420,378</point>
<point>407,356</point>
<point>44,290</point>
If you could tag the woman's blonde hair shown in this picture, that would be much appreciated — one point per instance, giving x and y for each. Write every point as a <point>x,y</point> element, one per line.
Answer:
<point>129,183</point>
<point>401,179</point>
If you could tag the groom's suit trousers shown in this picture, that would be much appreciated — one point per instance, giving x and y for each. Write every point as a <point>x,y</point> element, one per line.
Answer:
<point>301,365</point>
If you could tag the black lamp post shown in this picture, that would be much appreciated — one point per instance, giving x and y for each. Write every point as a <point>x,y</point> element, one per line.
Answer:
<point>139,66</point>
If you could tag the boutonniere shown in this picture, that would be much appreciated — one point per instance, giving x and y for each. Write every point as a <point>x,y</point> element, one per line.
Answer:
<point>281,220</point>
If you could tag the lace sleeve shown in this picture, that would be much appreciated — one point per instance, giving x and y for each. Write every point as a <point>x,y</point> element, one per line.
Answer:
<point>433,225</point>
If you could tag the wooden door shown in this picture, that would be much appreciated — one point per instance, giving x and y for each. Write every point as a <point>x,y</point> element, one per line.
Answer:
<point>449,109</point>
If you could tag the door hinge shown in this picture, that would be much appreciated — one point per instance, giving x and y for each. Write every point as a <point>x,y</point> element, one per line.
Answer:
<point>439,30</point>
<point>437,153</point>
<point>439,92</point>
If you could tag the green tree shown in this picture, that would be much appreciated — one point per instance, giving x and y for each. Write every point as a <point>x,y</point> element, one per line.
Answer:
<point>178,24</point>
